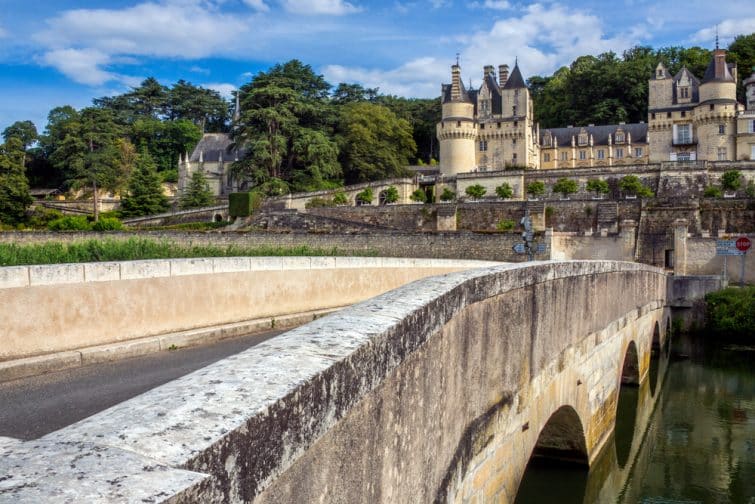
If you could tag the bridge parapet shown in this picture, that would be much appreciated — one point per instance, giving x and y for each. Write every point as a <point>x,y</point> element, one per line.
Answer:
<point>384,401</point>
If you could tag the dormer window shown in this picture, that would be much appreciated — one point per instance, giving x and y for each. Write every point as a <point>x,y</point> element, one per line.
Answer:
<point>547,140</point>
<point>583,138</point>
<point>620,136</point>
<point>684,92</point>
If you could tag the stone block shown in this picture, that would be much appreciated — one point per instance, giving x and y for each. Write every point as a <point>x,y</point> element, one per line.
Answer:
<point>133,270</point>
<point>14,276</point>
<point>198,266</point>
<point>231,264</point>
<point>56,274</point>
<point>322,262</point>
<point>102,272</point>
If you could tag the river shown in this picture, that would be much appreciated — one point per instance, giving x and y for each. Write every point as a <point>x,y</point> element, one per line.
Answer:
<point>693,443</point>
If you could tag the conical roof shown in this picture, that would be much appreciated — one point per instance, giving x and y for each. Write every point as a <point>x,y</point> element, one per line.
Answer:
<point>515,79</point>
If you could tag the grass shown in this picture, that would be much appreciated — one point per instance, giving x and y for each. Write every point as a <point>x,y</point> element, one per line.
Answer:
<point>12,254</point>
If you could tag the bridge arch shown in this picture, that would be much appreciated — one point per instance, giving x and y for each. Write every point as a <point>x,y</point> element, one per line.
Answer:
<point>626,404</point>
<point>655,358</point>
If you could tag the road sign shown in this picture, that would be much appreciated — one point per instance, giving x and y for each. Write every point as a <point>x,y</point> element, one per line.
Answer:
<point>519,248</point>
<point>528,236</point>
<point>540,248</point>
<point>727,248</point>
<point>728,252</point>
<point>743,244</point>
<point>726,243</point>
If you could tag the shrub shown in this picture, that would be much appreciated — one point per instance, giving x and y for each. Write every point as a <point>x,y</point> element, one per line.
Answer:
<point>731,180</point>
<point>565,186</point>
<point>731,313</point>
<point>170,176</point>
<point>418,196</point>
<point>504,191</point>
<point>475,191</point>
<point>340,198</point>
<point>433,162</point>
<point>318,202</point>
<point>70,223</point>
<point>536,188</point>
<point>107,224</point>
<point>713,192</point>
<point>244,204</point>
<point>447,195</point>
<point>750,190</point>
<point>505,225</point>
<point>633,186</point>
<point>365,197</point>
<point>391,194</point>
<point>598,186</point>
<point>198,193</point>
<point>41,217</point>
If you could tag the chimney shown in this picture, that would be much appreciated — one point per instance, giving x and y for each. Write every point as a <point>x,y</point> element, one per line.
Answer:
<point>503,74</point>
<point>487,70</point>
<point>456,82</point>
<point>719,56</point>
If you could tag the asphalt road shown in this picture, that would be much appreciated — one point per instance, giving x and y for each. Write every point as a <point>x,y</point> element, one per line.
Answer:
<point>33,407</point>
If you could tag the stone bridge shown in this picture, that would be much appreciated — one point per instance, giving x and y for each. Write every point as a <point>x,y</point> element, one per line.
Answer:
<point>438,391</point>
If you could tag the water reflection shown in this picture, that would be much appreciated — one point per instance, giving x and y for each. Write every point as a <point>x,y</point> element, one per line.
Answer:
<point>692,442</point>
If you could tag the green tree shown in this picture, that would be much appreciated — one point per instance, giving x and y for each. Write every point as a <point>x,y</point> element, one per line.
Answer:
<point>447,195</point>
<point>14,188</point>
<point>731,180</point>
<point>632,186</point>
<point>349,93</point>
<point>145,193</point>
<point>742,52</point>
<point>205,108</point>
<point>198,192</point>
<point>598,186</point>
<point>25,131</point>
<point>475,191</point>
<point>391,194</point>
<point>365,197</point>
<point>504,191</point>
<point>713,192</point>
<point>418,196</point>
<point>375,144</point>
<point>565,187</point>
<point>340,198</point>
<point>536,189</point>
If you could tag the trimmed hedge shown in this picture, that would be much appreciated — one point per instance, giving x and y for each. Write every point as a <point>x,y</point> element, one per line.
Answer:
<point>243,204</point>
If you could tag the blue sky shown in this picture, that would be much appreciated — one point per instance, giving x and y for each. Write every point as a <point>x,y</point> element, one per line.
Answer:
<point>65,52</point>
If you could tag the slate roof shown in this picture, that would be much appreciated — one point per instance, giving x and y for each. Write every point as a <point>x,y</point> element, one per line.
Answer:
<point>446,93</point>
<point>496,101</point>
<point>710,72</point>
<point>637,131</point>
<point>694,84</point>
<point>211,145</point>
<point>515,79</point>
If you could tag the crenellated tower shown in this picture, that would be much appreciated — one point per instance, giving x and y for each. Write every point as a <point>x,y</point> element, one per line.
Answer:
<point>457,130</point>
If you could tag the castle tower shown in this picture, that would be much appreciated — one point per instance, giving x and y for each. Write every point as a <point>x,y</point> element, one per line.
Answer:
<point>457,130</point>
<point>715,115</point>
<point>746,122</point>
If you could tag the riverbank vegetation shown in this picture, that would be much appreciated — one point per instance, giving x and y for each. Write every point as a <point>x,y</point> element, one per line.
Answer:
<point>730,314</point>
<point>12,254</point>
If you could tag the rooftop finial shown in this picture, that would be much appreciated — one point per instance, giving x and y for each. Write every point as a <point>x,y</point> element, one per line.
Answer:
<point>457,59</point>
<point>516,60</point>
<point>716,37</point>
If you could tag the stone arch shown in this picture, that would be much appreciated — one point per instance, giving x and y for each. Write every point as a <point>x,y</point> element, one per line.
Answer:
<point>655,358</point>
<point>382,197</point>
<point>218,218</point>
<point>560,450</point>
<point>626,405</point>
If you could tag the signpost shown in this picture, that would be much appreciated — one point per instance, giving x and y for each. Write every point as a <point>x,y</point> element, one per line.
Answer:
<point>527,246</point>
<point>738,247</point>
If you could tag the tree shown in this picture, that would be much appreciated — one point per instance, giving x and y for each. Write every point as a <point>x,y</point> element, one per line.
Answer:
<point>198,193</point>
<point>447,195</point>
<point>632,186</point>
<point>418,196</point>
<point>25,131</point>
<point>598,186</point>
<point>364,197</point>
<point>145,193</point>
<point>536,189</point>
<point>475,191</point>
<point>349,93</point>
<point>390,194</point>
<point>712,192</point>
<point>504,191</point>
<point>14,188</point>
<point>204,107</point>
<point>742,52</point>
<point>731,180</point>
<point>565,187</point>
<point>375,144</point>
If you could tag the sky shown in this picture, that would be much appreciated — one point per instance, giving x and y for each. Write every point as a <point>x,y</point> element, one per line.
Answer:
<point>66,52</point>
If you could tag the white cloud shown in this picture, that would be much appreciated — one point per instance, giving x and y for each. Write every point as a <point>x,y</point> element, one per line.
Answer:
<point>543,39</point>
<point>82,42</point>
<point>223,88</point>
<point>727,29</point>
<point>258,5</point>
<point>437,4</point>
<point>333,7</point>
<point>491,4</point>
<point>3,33</point>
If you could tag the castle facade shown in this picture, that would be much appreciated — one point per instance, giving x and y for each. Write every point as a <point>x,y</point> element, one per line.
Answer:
<point>492,128</point>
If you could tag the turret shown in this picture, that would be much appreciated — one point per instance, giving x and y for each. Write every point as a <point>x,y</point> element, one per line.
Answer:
<point>457,130</point>
<point>718,82</point>
<point>750,91</point>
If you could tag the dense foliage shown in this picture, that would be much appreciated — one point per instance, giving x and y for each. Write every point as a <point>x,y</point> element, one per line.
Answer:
<point>198,192</point>
<point>14,188</point>
<point>731,313</point>
<point>145,193</point>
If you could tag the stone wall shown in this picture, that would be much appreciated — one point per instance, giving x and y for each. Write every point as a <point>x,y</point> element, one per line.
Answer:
<point>434,392</point>
<point>702,260</point>
<point>450,245</point>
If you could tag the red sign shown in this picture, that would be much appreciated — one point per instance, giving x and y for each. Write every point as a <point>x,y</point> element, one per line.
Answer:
<point>744,244</point>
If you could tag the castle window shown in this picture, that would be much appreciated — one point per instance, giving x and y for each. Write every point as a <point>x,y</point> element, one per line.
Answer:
<point>513,157</point>
<point>619,137</point>
<point>583,138</point>
<point>721,129</point>
<point>722,153</point>
<point>638,152</point>
<point>582,155</point>
<point>601,154</point>
<point>563,156</point>
<point>619,153</point>
<point>683,134</point>
<point>684,113</point>
<point>483,145</point>
<point>498,125</point>
<point>547,141</point>
<point>516,123</point>
<point>458,124</point>
<point>751,126</point>
<point>513,142</point>
<point>513,111</point>
<point>652,116</point>
<point>668,115</point>
<point>482,126</point>
<point>712,106</point>
<point>684,92</point>
<point>546,156</point>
